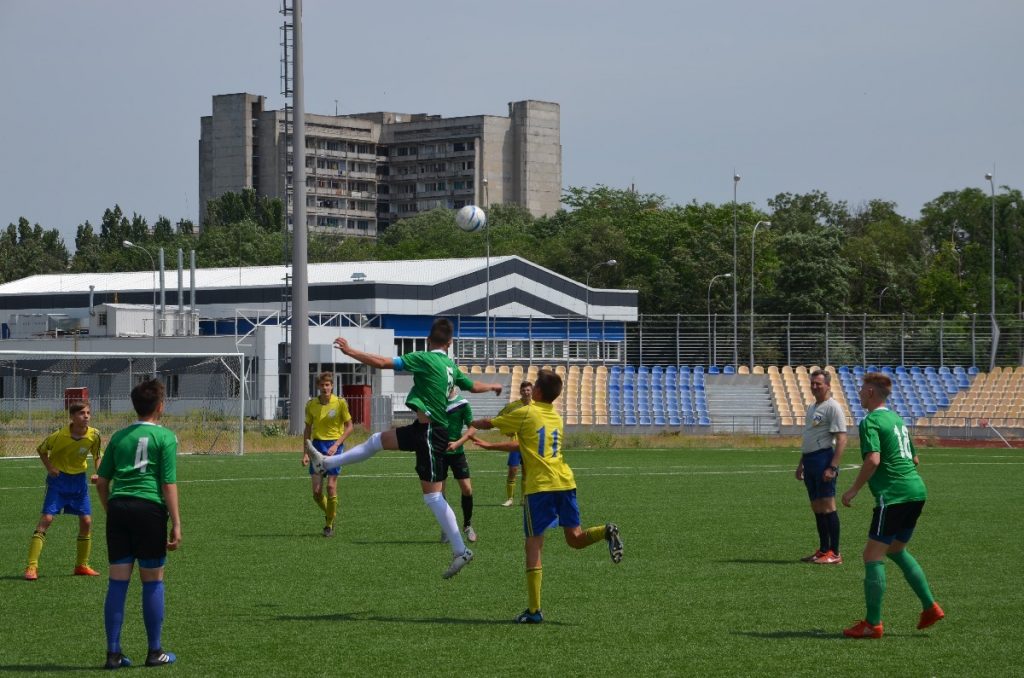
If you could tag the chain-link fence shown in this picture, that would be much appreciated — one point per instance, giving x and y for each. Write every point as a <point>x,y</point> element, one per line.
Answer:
<point>903,339</point>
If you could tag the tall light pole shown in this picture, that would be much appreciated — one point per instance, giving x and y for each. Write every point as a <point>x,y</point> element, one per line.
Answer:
<point>753,233</point>
<point>735,258</point>
<point>610,262</point>
<point>711,344</point>
<point>127,245</point>
<point>487,292</point>
<point>995,325</point>
<point>880,295</point>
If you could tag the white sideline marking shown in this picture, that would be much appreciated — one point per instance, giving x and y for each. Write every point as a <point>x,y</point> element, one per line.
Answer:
<point>600,472</point>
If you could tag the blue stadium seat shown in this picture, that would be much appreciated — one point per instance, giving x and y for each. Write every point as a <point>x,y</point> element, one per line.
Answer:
<point>704,421</point>
<point>944,370</point>
<point>712,369</point>
<point>729,369</point>
<point>673,420</point>
<point>698,369</point>
<point>959,370</point>
<point>614,420</point>
<point>659,420</point>
<point>972,370</point>
<point>630,420</point>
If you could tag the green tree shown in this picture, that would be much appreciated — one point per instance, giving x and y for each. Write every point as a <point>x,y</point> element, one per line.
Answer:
<point>27,250</point>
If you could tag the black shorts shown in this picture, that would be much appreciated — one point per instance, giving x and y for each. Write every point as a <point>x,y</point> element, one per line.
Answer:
<point>430,443</point>
<point>136,529</point>
<point>896,521</point>
<point>458,464</point>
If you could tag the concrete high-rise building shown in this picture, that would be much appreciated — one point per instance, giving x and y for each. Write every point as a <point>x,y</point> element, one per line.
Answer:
<point>367,170</point>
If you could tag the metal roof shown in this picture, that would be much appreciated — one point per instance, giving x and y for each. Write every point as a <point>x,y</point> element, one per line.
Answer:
<point>418,272</point>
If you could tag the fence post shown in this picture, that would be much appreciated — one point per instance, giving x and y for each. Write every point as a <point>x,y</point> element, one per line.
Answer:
<point>677,341</point>
<point>974,341</point>
<point>942,327</point>
<point>903,334</point>
<point>640,317</point>
<point>864,342</point>
<point>826,339</point>
<point>789,344</point>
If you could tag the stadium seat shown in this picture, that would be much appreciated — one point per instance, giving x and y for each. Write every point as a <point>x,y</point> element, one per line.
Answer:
<point>729,369</point>
<point>712,369</point>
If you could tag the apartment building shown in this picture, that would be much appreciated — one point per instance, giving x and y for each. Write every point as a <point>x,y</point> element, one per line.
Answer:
<point>367,170</point>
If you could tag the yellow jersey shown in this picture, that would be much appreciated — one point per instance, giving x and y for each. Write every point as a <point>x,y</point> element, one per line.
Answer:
<point>327,422</point>
<point>511,407</point>
<point>538,427</point>
<point>69,454</point>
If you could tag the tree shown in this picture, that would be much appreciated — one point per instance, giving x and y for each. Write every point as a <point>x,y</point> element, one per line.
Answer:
<point>27,250</point>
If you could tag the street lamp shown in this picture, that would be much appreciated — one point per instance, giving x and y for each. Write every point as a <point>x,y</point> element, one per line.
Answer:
<point>735,258</point>
<point>766,224</point>
<point>127,245</point>
<point>711,343</point>
<point>880,295</point>
<point>487,292</point>
<point>610,262</point>
<point>995,325</point>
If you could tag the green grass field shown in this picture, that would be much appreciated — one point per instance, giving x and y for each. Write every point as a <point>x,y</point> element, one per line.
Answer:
<point>710,583</point>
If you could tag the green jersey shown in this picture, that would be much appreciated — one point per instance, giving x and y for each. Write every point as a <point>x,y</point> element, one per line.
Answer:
<point>433,375</point>
<point>896,481</point>
<point>460,415</point>
<point>140,460</point>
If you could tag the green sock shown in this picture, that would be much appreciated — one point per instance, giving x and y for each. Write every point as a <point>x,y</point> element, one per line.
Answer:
<point>874,590</point>
<point>914,575</point>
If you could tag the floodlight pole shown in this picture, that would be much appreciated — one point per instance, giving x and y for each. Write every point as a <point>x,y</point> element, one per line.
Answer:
<point>299,391</point>
<point>995,325</point>
<point>766,224</point>
<point>735,258</point>
<point>711,345</point>
<point>610,262</point>
<point>487,291</point>
<point>129,244</point>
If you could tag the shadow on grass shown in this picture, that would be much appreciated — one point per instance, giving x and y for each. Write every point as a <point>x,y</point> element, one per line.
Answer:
<point>39,668</point>
<point>761,561</point>
<point>362,617</point>
<point>819,634</point>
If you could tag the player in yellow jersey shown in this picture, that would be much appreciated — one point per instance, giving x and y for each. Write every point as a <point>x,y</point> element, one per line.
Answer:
<point>515,459</point>
<point>549,488</point>
<point>328,424</point>
<point>65,454</point>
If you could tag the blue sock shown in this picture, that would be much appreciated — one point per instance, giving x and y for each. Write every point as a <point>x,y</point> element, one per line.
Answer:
<point>113,612</point>
<point>153,611</point>
<point>833,531</point>
<point>822,525</point>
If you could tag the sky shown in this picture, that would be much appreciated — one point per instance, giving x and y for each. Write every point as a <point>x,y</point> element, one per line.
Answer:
<point>100,101</point>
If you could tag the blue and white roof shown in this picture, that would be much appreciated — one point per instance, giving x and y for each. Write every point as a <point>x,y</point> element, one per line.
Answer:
<point>516,288</point>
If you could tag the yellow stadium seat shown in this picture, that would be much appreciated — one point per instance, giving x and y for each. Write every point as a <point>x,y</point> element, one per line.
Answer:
<point>743,369</point>
<point>758,369</point>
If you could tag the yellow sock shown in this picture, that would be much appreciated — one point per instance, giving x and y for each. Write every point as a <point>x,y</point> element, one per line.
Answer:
<point>595,534</point>
<point>510,489</point>
<point>320,500</point>
<point>534,576</point>
<point>83,548</point>
<point>332,510</point>
<point>35,547</point>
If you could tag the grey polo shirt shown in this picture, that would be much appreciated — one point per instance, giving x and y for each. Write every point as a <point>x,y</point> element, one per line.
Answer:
<point>822,423</point>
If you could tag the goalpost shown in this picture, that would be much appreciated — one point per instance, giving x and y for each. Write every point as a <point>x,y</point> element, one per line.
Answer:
<point>204,404</point>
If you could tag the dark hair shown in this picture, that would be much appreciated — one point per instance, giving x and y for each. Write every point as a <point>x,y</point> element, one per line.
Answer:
<point>325,376</point>
<point>525,382</point>
<point>146,396</point>
<point>879,381</point>
<point>441,332</point>
<point>76,406</point>
<point>823,373</point>
<point>549,386</point>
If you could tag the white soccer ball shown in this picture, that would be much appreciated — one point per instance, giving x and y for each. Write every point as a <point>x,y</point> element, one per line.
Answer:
<point>470,218</point>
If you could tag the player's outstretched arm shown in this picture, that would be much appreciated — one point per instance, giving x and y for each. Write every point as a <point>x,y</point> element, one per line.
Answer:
<point>371,359</point>
<point>503,446</point>
<point>484,387</point>
<point>871,463</point>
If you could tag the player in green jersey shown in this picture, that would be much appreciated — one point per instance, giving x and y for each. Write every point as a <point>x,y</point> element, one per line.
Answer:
<point>434,375</point>
<point>890,471</point>
<point>549,487</point>
<point>460,415</point>
<point>138,489</point>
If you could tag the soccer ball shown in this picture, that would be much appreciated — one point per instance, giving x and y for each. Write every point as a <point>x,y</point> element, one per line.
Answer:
<point>470,218</point>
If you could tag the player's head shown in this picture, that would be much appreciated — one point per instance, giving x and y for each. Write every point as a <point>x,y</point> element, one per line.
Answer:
<point>875,389</point>
<point>79,411</point>
<point>325,383</point>
<point>148,398</point>
<point>548,386</point>
<point>441,332</point>
<point>526,391</point>
<point>821,383</point>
